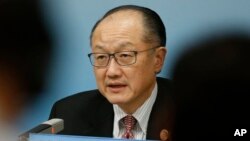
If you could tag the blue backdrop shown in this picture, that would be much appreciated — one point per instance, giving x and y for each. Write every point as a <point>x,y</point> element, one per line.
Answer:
<point>70,22</point>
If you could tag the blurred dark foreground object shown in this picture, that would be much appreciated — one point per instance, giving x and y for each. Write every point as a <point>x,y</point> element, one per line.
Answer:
<point>25,49</point>
<point>211,84</point>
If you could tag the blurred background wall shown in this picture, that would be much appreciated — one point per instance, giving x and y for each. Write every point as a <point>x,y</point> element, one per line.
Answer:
<point>70,23</point>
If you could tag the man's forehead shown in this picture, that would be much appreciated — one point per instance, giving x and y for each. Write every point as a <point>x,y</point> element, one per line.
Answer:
<point>120,24</point>
<point>122,44</point>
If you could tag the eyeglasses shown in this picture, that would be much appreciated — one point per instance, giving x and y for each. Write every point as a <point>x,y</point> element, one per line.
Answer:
<point>123,58</point>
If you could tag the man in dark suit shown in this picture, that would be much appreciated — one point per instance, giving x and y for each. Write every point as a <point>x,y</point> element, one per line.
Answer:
<point>128,50</point>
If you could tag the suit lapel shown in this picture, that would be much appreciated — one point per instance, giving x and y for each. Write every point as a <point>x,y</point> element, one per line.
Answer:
<point>103,120</point>
<point>162,113</point>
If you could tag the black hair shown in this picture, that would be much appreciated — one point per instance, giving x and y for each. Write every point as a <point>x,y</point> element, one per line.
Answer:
<point>153,24</point>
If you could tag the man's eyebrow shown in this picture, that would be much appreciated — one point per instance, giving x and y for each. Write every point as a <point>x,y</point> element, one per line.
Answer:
<point>98,46</point>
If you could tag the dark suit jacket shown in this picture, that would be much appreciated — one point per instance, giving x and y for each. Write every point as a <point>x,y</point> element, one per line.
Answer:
<point>90,114</point>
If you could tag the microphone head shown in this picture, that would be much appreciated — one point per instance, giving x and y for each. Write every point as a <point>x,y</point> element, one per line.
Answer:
<point>57,125</point>
<point>51,126</point>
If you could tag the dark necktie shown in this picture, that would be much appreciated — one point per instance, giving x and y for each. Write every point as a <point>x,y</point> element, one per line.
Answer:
<point>129,124</point>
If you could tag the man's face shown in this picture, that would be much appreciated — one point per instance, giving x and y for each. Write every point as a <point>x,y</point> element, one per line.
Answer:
<point>128,86</point>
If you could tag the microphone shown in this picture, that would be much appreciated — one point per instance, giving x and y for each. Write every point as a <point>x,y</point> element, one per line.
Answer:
<point>51,126</point>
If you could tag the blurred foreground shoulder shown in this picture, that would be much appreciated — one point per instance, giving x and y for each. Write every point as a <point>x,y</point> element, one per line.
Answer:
<point>76,102</point>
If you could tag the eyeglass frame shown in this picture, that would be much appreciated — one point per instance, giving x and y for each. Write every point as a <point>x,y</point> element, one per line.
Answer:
<point>113,55</point>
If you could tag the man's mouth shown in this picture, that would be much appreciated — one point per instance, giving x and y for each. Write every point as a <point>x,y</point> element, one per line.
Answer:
<point>116,88</point>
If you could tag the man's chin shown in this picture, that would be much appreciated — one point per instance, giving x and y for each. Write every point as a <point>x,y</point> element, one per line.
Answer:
<point>118,101</point>
<point>117,98</point>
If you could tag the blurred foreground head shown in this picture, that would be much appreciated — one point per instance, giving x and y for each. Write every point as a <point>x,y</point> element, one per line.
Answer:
<point>211,83</point>
<point>24,54</point>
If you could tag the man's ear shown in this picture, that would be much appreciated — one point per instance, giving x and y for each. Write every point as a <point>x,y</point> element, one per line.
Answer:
<point>159,58</point>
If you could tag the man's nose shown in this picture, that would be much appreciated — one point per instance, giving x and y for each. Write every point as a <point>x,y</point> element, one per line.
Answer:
<point>113,69</point>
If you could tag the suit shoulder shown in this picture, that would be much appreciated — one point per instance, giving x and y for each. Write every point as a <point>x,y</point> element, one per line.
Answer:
<point>81,97</point>
<point>163,81</point>
<point>165,87</point>
<point>77,103</point>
